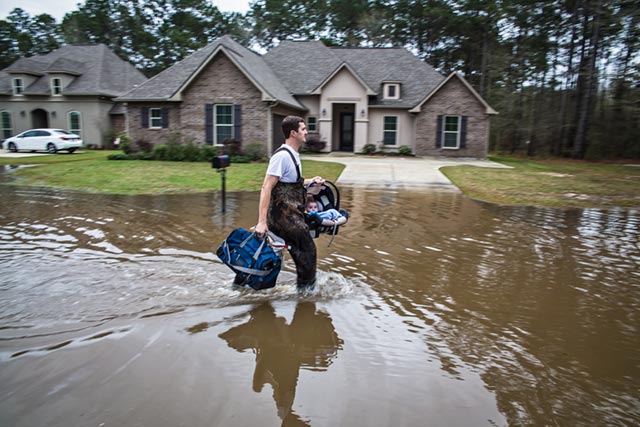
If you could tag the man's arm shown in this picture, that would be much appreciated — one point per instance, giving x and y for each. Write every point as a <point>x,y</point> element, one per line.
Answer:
<point>270,181</point>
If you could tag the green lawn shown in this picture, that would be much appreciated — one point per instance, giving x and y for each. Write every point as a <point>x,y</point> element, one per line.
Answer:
<point>92,172</point>
<point>553,183</point>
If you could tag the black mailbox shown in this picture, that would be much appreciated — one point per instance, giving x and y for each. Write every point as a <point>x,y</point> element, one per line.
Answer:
<point>220,162</point>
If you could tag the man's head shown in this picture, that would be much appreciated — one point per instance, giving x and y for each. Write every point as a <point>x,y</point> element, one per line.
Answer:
<point>294,128</point>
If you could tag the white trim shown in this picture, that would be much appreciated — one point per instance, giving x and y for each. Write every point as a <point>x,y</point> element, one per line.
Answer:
<point>444,131</point>
<point>14,86</point>
<point>316,123</point>
<point>386,89</point>
<point>78,131</point>
<point>151,126</point>
<point>215,124</point>
<point>488,109</point>
<point>2,128</point>
<point>397,131</point>
<point>53,86</point>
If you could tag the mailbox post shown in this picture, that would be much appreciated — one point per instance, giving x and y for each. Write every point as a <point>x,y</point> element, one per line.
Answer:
<point>220,163</point>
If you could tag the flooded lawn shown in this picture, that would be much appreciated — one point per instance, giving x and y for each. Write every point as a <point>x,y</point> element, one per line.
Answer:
<point>432,309</point>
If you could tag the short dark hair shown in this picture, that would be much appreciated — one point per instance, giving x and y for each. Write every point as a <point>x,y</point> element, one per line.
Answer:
<point>290,123</point>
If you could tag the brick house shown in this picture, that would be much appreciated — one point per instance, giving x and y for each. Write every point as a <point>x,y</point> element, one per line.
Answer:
<point>349,97</point>
<point>71,88</point>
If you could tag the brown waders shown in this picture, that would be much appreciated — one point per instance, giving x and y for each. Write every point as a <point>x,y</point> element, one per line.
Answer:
<point>286,219</point>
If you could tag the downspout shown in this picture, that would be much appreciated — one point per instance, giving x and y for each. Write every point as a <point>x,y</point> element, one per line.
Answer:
<point>272,105</point>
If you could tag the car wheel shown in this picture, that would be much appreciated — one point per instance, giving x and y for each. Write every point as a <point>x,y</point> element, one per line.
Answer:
<point>71,150</point>
<point>51,148</point>
<point>13,148</point>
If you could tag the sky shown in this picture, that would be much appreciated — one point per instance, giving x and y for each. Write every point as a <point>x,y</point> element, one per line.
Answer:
<point>58,8</point>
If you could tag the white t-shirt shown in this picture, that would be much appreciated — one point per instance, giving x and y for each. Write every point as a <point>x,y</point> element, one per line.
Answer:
<point>282,166</point>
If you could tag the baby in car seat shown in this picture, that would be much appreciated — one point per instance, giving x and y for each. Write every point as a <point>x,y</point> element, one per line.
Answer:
<point>329,217</point>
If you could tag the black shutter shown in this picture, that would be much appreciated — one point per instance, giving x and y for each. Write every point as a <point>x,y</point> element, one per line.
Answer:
<point>237,122</point>
<point>208,123</point>
<point>463,132</point>
<point>439,132</point>
<point>165,117</point>
<point>145,117</point>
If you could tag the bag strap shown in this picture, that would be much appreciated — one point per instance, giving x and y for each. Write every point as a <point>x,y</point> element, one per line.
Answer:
<point>252,271</point>
<point>292,159</point>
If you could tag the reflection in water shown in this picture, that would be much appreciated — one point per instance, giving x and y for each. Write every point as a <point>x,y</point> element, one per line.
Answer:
<point>309,342</point>
<point>526,311</point>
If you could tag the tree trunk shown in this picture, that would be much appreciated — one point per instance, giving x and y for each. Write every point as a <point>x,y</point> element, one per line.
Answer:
<point>582,128</point>
<point>563,138</point>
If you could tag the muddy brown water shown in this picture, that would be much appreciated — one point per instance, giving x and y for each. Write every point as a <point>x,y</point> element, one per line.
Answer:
<point>431,310</point>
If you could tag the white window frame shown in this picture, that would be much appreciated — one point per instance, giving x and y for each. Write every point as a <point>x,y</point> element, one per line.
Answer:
<point>387,90</point>
<point>70,128</point>
<point>448,132</point>
<point>396,131</point>
<point>155,122</point>
<point>6,132</point>
<point>18,86</point>
<point>56,89</point>
<point>312,128</point>
<point>216,124</point>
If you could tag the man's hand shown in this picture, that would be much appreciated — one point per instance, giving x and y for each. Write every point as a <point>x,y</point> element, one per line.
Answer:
<point>261,229</point>
<point>315,180</point>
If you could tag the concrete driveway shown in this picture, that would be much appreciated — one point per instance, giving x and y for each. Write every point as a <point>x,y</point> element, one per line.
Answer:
<point>19,155</point>
<point>398,172</point>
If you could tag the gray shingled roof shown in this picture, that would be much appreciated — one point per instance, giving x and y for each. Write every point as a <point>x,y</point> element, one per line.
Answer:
<point>98,71</point>
<point>303,66</point>
<point>171,81</point>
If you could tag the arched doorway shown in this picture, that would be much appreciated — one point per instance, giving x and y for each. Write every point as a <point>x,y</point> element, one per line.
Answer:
<point>39,118</point>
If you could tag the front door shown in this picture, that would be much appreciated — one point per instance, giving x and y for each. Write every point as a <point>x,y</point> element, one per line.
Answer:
<point>346,132</point>
<point>39,118</point>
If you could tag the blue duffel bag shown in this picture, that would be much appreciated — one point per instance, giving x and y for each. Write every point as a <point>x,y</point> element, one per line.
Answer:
<point>255,262</point>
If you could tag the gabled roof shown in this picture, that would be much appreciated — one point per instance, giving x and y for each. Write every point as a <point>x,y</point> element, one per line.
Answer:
<point>304,66</point>
<point>98,71</point>
<point>457,75</point>
<point>342,66</point>
<point>170,83</point>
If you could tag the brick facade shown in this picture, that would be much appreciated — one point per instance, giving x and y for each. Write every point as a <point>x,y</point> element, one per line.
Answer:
<point>154,136</point>
<point>220,82</point>
<point>453,99</point>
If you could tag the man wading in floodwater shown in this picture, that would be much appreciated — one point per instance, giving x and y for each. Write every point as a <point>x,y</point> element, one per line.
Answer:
<point>283,200</point>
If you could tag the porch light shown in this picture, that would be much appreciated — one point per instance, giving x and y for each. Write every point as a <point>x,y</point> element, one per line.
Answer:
<point>54,114</point>
<point>324,112</point>
<point>23,113</point>
<point>362,113</point>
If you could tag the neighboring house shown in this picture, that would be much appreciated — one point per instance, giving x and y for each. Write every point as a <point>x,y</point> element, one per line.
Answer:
<point>71,88</point>
<point>349,96</point>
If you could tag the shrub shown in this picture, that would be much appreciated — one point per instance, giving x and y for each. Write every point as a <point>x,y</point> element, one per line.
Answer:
<point>314,144</point>
<point>207,152</point>
<point>160,152</point>
<point>118,156</point>
<point>175,152</point>
<point>405,150</point>
<point>191,153</point>
<point>369,148</point>
<point>240,159</point>
<point>232,147</point>
<point>125,144</point>
<point>255,151</point>
<point>144,146</point>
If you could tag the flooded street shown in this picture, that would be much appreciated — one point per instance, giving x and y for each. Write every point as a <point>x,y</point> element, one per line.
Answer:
<point>432,309</point>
